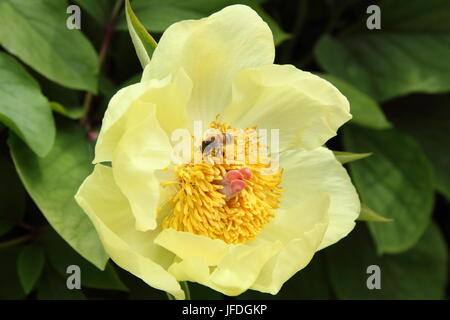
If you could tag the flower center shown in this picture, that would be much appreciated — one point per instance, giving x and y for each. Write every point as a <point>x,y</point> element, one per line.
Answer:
<point>231,200</point>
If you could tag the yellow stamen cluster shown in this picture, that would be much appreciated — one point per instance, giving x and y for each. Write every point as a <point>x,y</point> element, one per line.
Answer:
<point>200,208</point>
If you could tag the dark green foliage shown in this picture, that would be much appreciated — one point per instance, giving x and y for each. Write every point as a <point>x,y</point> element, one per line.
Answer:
<point>55,86</point>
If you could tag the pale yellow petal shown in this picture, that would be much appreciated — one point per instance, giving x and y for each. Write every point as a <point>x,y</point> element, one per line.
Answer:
<point>234,274</point>
<point>186,244</point>
<point>241,266</point>
<point>143,149</point>
<point>170,96</point>
<point>305,108</point>
<point>228,268</point>
<point>171,102</point>
<point>311,172</point>
<point>211,51</point>
<point>114,121</point>
<point>193,269</point>
<point>132,250</point>
<point>301,229</point>
<point>169,188</point>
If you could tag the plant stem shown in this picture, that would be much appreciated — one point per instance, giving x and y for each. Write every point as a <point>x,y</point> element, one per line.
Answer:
<point>170,297</point>
<point>187,292</point>
<point>109,30</point>
<point>25,226</point>
<point>15,241</point>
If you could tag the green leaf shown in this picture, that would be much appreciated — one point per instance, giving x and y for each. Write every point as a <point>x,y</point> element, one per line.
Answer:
<point>143,42</point>
<point>62,255</point>
<point>396,182</point>
<point>36,32</point>
<point>346,157</point>
<point>64,101</point>
<point>157,15</point>
<point>410,52</point>
<point>98,9</point>
<point>52,182</point>
<point>365,110</point>
<point>10,288</point>
<point>12,196</point>
<point>69,112</point>
<point>419,273</point>
<point>426,118</point>
<point>368,214</point>
<point>23,108</point>
<point>30,264</point>
<point>54,287</point>
<point>67,98</point>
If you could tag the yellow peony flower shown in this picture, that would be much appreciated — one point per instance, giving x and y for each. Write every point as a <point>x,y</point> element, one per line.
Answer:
<point>229,226</point>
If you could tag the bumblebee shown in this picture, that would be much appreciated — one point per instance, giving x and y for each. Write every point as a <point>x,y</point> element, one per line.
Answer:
<point>216,143</point>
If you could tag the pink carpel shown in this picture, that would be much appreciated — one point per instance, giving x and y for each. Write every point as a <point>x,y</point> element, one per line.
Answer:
<point>237,186</point>
<point>233,182</point>
<point>246,172</point>
<point>233,175</point>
